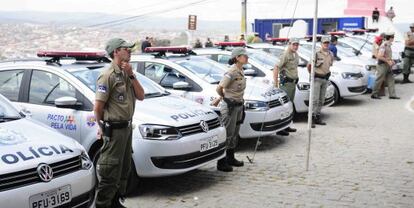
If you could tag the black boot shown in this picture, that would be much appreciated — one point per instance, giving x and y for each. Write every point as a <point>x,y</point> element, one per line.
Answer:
<point>289,129</point>
<point>283,133</point>
<point>117,201</point>
<point>319,121</point>
<point>406,80</point>
<point>313,122</point>
<point>222,165</point>
<point>375,96</point>
<point>231,160</point>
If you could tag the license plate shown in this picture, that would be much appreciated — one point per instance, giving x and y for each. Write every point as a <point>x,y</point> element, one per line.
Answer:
<point>211,143</point>
<point>52,198</point>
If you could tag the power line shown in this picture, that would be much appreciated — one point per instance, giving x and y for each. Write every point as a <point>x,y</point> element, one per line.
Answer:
<point>128,19</point>
<point>293,16</point>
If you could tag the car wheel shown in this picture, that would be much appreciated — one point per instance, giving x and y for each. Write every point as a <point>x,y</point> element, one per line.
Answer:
<point>337,96</point>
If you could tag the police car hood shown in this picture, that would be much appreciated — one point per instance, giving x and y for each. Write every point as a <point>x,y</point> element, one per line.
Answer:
<point>303,74</point>
<point>171,110</point>
<point>342,67</point>
<point>25,143</point>
<point>256,89</point>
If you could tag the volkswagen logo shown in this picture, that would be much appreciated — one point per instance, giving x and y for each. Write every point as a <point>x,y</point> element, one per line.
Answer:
<point>281,100</point>
<point>45,172</point>
<point>204,126</point>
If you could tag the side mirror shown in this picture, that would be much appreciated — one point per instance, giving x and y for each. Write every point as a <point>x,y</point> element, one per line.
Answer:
<point>250,72</point>
<point>181,86</point>
<point>67,102</point>
<point>247,66</point>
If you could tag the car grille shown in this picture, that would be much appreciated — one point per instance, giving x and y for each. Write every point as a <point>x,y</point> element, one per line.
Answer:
<point>357,89</point>
<point>196,128</point>
<point>188,160</point>
<point>30,176</point>
<point>276,103</point>
<point>272,125</point>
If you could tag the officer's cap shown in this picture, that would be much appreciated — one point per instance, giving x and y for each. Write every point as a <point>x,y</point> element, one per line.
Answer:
<point>412,25</point>
<point>293,40</point>
<point>115,43</point>
<point>238,52</point>
<point>325,39</point>
<point>389,33</point>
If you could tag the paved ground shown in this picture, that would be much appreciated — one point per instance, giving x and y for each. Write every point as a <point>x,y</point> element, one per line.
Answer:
<point>364,157</point>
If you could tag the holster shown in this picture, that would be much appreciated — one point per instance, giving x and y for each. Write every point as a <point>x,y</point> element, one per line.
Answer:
<point>106,128</point>
<point>243,116</point>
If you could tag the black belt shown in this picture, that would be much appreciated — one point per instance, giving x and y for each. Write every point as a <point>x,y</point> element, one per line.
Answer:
<point>232,103</point>
<point>409,49</point>
<point>118,124</point>
<point>320,76</point>
<point>287,79</point>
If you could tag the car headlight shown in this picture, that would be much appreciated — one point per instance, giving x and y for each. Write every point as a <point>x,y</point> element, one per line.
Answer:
<point>303,86</point>
<point>349,75</point>
<point>159,132</point>
<point>86,161</point>
<point>254,105</point>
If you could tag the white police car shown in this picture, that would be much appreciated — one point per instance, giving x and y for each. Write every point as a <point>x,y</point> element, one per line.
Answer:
<point>171,135</point>
<point>349,79</point>
<point>268,110</point>
<point>262,63</point>
<point>39,167</point>
<point>364,48</point>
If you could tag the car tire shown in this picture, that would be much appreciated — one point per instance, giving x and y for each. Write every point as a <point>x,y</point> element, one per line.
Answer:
<point>337,96</point>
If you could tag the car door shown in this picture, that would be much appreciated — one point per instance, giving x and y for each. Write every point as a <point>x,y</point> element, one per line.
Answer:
<point>166,77</point>
<point>44,88</point>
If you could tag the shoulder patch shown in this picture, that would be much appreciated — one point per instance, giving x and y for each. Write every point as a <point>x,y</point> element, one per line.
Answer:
<point>102,88</point>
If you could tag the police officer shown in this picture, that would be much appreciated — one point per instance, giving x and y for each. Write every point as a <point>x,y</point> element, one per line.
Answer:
<point>384,72</point>
<point>257,38</point>
<point>287,72</point>
<point>116,91</point>
<point>323,61</point>
<point>231,91</point>
<point>408,54</point>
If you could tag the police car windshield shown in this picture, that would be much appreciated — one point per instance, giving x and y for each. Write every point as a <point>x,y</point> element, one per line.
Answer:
<point>365,44</point>
<point>305,50</point>
<point>263,58</point>
<point>7,111</point>
<point>206,69</point>
<point>89,77</point>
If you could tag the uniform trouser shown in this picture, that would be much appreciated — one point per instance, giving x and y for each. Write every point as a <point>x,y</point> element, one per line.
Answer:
<point>289,88</point>
<point>408,61</point>
<point>319,91</point>
<point>114,166</point>
<point>231,117</point>
<point>384,74</point>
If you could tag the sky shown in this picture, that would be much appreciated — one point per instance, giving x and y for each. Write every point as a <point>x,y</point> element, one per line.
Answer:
<point>215,10</point>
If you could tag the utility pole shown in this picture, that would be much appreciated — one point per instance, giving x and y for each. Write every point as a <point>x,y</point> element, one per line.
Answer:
<point>312,75</point>
<point>244,17</point>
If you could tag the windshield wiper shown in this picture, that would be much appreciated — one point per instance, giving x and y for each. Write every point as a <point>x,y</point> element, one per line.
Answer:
<point>9,118</point>
<point>154,94</point>
<point>166,93</point>
<point>215,82</point>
